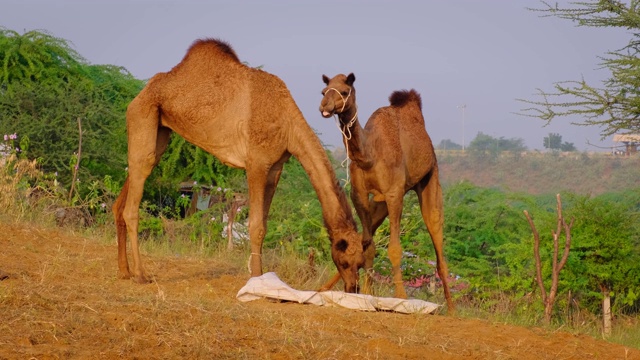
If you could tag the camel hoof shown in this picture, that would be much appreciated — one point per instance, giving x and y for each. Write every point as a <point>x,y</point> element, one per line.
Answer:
<point>400,295</point>
<point>141,279</point>
<point>124,276</point>
<point>451,311</point>
<point>4,275</point>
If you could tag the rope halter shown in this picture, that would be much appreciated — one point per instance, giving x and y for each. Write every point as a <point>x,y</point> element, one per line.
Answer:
<point>344,101</point>
<point>353,119</point>
<point>346,131</point>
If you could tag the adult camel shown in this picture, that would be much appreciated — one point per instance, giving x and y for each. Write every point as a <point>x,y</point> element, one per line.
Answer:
<point>390,156</point>
<point>246,118</point>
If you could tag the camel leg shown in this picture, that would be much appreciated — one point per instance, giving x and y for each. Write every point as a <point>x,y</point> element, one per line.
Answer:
<point>272,183</point>
<point>147,143</point>
<point>430,198</point>
<point>121,231</point>
<point>360,200</point>
<point>331,283</point>
<point>378,212</point>
<point>138,173</point>
<point>394,205</point>
<point>262,187</point>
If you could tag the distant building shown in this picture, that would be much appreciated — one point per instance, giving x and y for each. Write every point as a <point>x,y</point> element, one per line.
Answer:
<point>630,142</point>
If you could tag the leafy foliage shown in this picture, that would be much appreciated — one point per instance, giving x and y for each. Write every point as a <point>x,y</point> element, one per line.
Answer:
<point>481,226</point>
<point>554,142</point>
<point>47,88</point>
<point>615,107</point>
<point>295,219</point>
<point>447,144</point>
<point>484,145</point>
<point>183,161</point>
<point>605,254</point>
<point>35,57</point>
<point>490,246</point>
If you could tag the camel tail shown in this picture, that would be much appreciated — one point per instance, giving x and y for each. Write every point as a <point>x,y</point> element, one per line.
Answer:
<point>402,97</point>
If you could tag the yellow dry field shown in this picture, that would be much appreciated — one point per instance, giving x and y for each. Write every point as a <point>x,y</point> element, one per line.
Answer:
<point>61,300</point>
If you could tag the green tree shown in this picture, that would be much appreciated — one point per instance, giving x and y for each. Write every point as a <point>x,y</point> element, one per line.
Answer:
<point>447,144</point>
<point>567,146</point>
<point>295,215</point>
<point>183,161</point>
<point>46,88</point>
<point>605,258</point>
<point>36,56</point>
<point>483,233</point>
<point>484,144</point>
<point>615,106</point>
<point>554,142</point>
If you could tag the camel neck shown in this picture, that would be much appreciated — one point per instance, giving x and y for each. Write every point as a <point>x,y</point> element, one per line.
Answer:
<point>354,138</point>
<point>306,147</point>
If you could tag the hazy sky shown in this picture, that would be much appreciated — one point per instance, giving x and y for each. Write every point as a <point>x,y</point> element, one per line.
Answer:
<point>483,54</point>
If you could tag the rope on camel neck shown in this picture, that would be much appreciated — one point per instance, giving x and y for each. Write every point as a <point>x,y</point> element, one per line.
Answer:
<point>348,130</point>
<point>346,142</point>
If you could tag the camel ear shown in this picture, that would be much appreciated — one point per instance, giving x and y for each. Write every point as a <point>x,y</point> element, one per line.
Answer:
<point>351,79</point>
<point>325,79</point>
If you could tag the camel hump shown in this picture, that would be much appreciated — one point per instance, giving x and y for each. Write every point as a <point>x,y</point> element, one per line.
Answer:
<point>402,97</point>
<point>209,43</point>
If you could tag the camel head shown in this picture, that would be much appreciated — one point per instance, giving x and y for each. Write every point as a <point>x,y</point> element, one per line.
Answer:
<point>347,254</point>
<point>339,96</point>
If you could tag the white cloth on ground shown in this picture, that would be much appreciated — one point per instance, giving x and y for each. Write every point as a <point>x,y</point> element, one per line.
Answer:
<point>270,286</point>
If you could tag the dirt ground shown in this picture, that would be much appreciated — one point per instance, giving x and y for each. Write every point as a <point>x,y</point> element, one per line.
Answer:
<point>60,299</point>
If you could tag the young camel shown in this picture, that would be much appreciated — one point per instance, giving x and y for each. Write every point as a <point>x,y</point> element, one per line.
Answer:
<point>247,119</point>
<point>390,156</point>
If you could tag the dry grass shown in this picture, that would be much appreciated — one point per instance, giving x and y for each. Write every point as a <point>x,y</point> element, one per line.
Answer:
<point>544,173</point>
<point>13,173</point>
<point>62,300</point>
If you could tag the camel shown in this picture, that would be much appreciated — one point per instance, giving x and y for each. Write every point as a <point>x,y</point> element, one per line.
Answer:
<point>248,119</point>
<point>390,156</point>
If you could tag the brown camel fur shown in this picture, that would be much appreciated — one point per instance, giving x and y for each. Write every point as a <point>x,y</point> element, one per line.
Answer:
<point>246,118</point>
<point>390,156</point>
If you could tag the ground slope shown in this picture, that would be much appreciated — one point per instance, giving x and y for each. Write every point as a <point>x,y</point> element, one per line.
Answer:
<point>61,300</point>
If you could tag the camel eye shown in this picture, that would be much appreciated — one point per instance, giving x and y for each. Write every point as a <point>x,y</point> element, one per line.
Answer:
<point>341,245</point>
<point>344,93</point>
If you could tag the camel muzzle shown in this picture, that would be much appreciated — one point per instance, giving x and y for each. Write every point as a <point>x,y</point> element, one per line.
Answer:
<point>326,112</point>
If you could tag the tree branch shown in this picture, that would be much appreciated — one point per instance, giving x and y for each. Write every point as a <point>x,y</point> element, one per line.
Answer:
<point>536,254</point>
<point>77,165</point>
